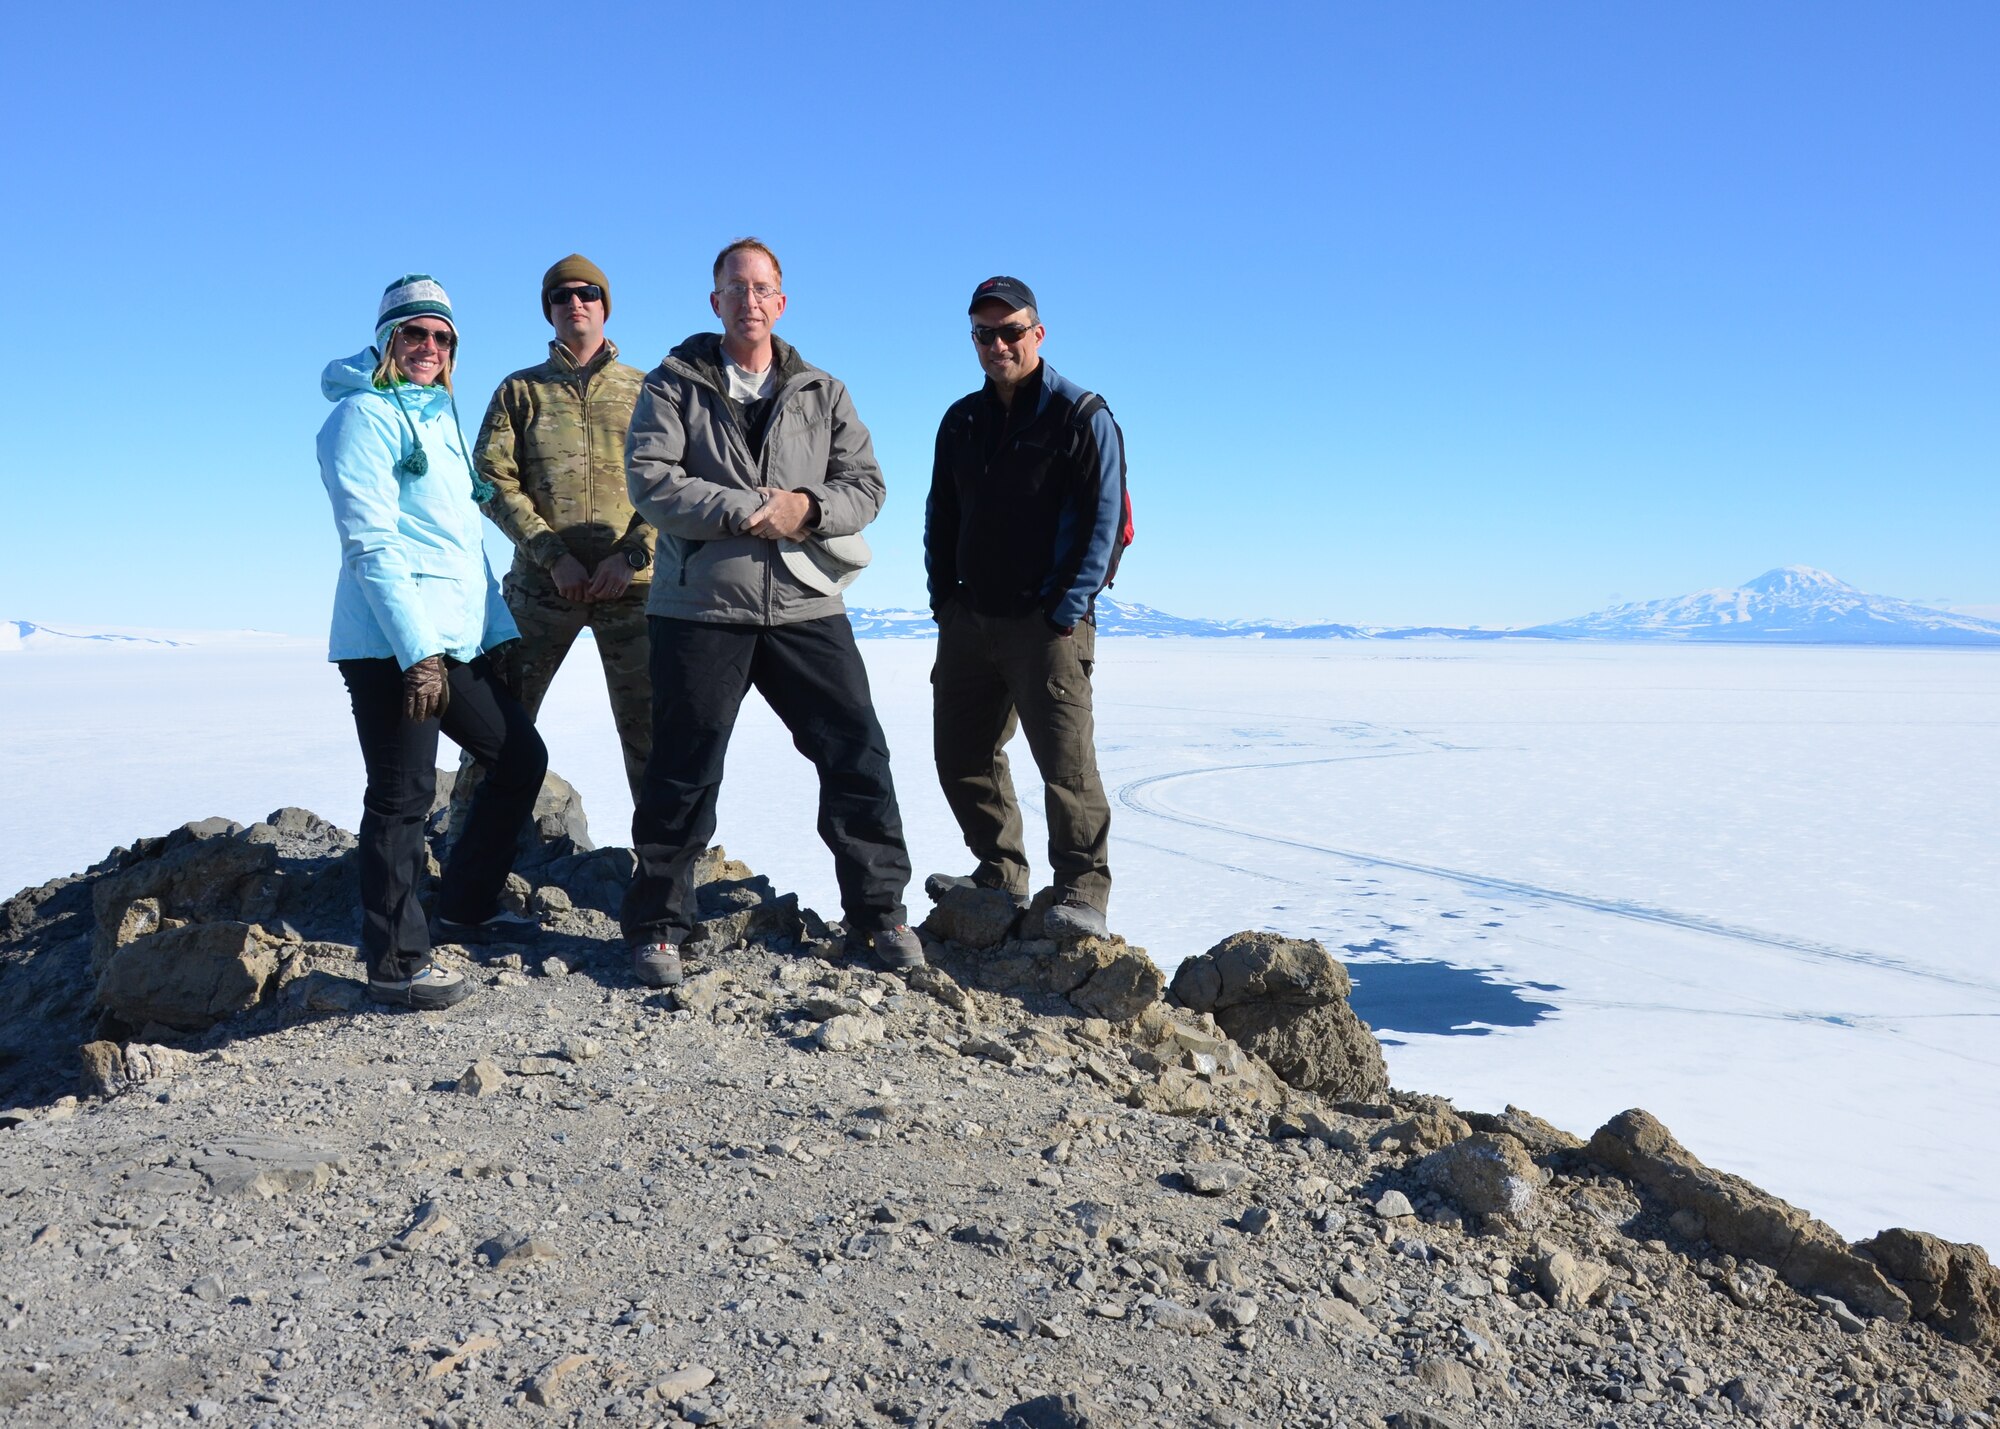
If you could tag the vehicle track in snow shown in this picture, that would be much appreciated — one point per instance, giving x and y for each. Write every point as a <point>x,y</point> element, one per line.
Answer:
<point>1142,796</point>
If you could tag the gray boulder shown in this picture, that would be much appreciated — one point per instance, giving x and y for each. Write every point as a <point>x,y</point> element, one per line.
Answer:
<point>729,911</point>
<point>200,872</point>
<point>1324,1049</point>
<point>188,978</point>
<point>1105,977</point>
<point>1285,999</point>
<point>557,825</point>
<point>1490,1178</point>
<point>974,918</point>
<point>1261,967</point>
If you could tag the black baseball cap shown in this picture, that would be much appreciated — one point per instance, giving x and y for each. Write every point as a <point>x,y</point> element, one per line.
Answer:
<point>1011,291</point>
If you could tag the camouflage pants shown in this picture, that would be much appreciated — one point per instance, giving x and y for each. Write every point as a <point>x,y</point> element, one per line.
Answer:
<point>549,626</point>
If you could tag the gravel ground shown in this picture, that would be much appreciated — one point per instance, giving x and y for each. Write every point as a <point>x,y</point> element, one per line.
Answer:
<point>799,1190</point>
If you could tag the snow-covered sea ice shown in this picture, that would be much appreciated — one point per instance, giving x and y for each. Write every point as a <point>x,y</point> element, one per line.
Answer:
<point>1749,889</point>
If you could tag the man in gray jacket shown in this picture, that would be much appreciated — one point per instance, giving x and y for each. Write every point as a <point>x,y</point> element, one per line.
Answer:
<point>752,465</point>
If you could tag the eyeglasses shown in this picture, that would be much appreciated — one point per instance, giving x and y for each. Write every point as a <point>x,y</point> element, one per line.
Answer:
<point>444,338</point>
<point>737,292</point>
<point>1012,332</point>
<point>588,293</point>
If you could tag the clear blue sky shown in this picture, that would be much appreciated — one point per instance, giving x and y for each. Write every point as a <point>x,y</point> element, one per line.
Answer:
<point>1445,313</point>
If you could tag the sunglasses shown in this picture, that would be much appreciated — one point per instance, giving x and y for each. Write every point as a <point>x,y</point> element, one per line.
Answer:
<point>1012,332</point>
<point>588,293</point>
<point>418,336</point>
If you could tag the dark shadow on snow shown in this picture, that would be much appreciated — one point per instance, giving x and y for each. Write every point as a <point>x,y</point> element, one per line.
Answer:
<point>1440,999</point>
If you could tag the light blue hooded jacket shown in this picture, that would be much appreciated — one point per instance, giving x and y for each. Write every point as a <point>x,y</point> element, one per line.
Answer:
<point>414,579</point>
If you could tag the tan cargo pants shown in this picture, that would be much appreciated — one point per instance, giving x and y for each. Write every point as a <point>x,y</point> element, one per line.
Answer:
<point>996,674</point>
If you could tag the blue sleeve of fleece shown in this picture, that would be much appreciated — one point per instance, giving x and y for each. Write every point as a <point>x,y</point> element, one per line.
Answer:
<point>357,462</point>
<point>1089,528</point>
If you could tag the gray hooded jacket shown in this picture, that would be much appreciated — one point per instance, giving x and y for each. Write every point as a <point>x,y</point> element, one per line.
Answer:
<point>689,471</point>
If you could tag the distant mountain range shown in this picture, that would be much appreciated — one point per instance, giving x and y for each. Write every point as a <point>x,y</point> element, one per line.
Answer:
<point>1793,605</point>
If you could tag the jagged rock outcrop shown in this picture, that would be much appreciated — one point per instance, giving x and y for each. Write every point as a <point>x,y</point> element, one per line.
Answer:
<point>1737,1217</point>
<point>179,933</point>
<point>1953,1288</point>
<point>1538,1136</point>
<point>1099,977</point>
<point>1285,999</point>
<point>201,872</point>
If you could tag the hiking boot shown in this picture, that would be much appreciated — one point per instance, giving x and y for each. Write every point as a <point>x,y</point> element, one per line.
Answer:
<point>658,963</point>
<point>502,927</point>
<point>432,989</point>
<point>897,949</point>
<point>1074,918</point>
<point>939,884</point>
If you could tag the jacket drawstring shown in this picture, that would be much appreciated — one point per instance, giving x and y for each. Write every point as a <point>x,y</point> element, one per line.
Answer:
<point>417,462</point>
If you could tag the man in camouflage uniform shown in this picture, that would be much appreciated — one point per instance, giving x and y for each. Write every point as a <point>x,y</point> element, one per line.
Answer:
<point>553,445</point>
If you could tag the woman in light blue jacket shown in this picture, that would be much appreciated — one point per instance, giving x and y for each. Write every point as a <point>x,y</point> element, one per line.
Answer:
<point>414,616</point>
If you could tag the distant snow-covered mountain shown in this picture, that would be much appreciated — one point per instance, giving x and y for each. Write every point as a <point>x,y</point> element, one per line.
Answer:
<point>1791,605</point>
<point>26,636</point>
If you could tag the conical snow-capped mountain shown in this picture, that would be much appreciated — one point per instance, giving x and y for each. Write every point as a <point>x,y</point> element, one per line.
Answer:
<point>1793,604</point>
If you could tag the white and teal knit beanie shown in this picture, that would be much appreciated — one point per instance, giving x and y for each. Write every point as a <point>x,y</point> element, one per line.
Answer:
<point>413,295</point>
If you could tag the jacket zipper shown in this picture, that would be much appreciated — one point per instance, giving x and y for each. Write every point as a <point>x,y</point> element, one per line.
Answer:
<point>756,464</point>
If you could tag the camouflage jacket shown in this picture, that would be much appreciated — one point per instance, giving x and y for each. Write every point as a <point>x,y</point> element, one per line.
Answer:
<point>553,442</point>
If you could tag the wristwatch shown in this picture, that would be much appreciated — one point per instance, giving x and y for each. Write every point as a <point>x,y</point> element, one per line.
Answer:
<point>638,560</point>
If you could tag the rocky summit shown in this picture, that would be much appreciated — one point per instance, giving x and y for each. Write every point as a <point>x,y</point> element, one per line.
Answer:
<point>1028,1186</point>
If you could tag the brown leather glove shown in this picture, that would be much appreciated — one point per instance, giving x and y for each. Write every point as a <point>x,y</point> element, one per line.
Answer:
<point>425,691</point>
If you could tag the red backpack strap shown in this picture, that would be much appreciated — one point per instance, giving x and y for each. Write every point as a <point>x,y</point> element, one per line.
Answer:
<point>1086,407</point>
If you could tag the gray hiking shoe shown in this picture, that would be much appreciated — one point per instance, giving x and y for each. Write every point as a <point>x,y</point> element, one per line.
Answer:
<point>1074,918</point>
<point>657,964</point>
<point>432,989</point>
<point>897,949</point>
<point>939,884</point>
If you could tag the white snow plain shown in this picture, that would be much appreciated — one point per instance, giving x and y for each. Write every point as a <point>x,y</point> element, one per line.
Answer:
<point>1752,890</point>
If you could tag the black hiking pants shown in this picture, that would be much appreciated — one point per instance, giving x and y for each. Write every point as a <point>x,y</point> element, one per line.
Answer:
<point>812,676</point>
<point>401,758</point>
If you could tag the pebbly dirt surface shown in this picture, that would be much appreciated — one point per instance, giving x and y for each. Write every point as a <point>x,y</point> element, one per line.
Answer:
<point>800,1190</point>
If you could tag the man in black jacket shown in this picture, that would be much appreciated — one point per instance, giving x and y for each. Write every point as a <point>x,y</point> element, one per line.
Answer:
<point>1024,521</point>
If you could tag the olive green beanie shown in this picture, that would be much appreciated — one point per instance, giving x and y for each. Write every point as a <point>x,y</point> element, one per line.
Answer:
<point>575,269</point>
